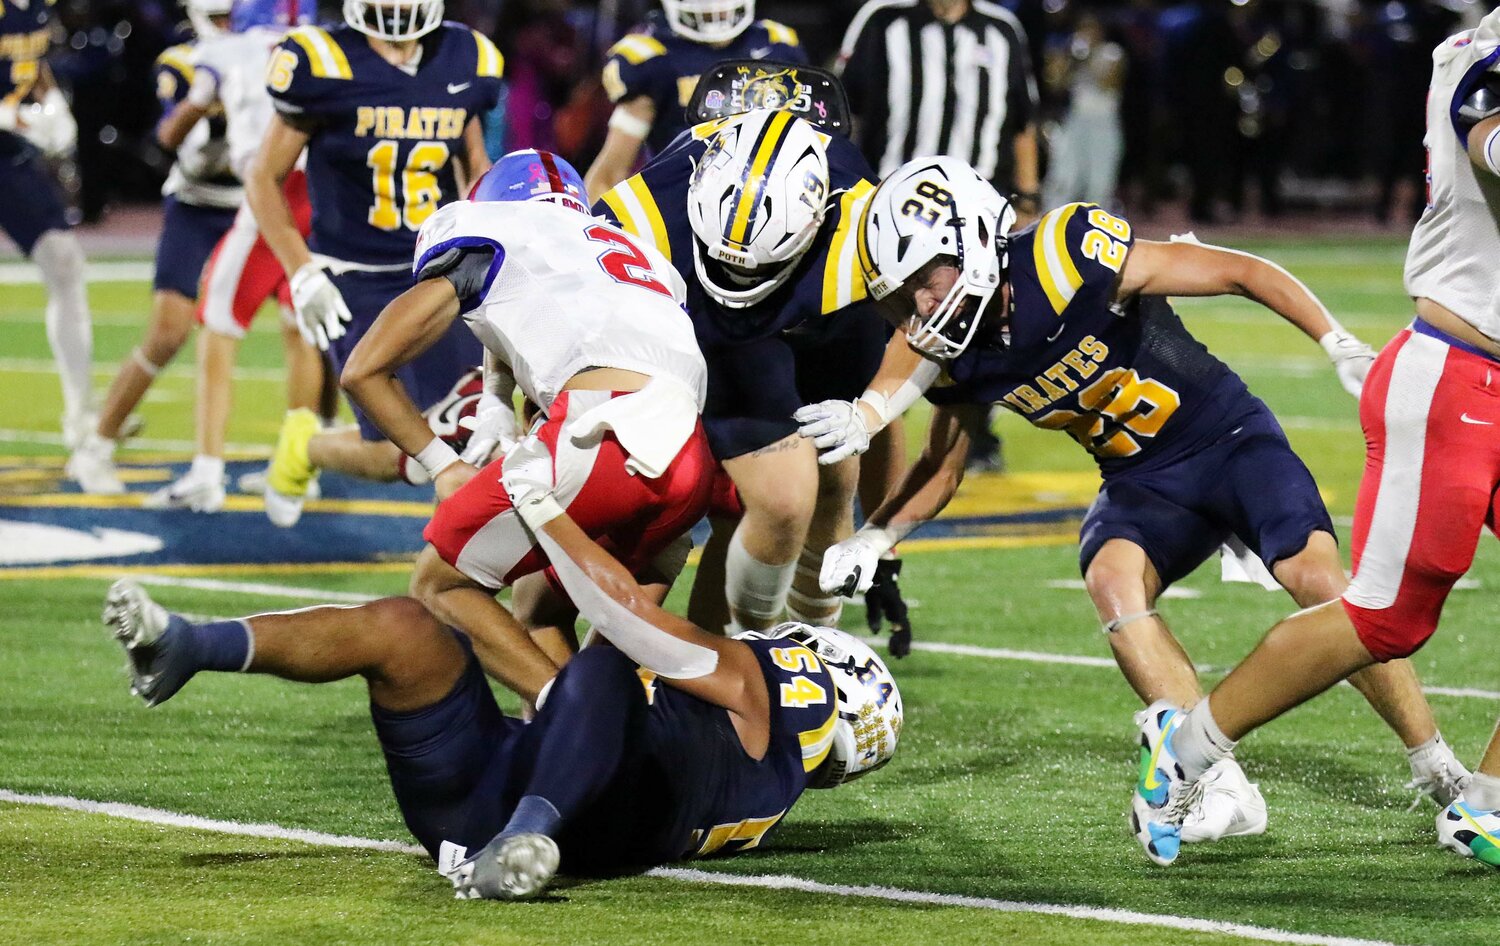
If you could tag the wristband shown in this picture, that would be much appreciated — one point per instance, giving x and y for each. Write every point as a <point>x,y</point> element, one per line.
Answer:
<point>539,511</point>
<point>1330,342</point>
<point>436,457</point>
<point>881,539</point>
<point>622,121</point>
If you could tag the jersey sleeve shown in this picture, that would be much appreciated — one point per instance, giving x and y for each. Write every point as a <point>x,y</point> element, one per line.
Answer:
<point>804,700</point>
<point>489,69</point>
<point>637,66</point>
<point>448,249</point>
<point>307,72</point>
<point>174,73</point>
<point>1079,250</point>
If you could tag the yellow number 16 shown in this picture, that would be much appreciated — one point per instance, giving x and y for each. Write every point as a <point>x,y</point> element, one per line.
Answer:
<point>420,190</point>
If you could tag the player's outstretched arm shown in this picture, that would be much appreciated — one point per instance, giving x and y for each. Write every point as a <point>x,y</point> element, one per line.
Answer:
<point>172,130</point>
<point>1189,268</point>
<point>476,160</point>
<point>719,670</point>
<point>628,128</point>
<point>408,326</point>
<point>842,429</point>
<point>267,174</point>
<point>849,566</point>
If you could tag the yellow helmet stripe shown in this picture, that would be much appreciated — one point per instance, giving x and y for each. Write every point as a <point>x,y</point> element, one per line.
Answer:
<point>754,184</point>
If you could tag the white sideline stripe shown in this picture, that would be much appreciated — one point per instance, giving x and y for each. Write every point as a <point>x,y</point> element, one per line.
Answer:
<point>937,647</point>
<point>1099,914</point>
<point>26,274</point>
<point>44,438</point>
<point>186,369</point>
<point>693,876</point>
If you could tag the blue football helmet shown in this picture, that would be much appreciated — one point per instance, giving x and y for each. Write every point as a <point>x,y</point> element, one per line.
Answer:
<point>533,175</point>
<point>250,13</point>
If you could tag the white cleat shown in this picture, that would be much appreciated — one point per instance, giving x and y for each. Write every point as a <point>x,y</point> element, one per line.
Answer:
<point>511,867</point>
<point>191,491</point>
<point>77,426</point>
<point>1231,806</point>
<point>92,467</point>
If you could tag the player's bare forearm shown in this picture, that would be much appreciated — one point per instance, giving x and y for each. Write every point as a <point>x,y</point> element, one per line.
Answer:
<point>935,477</point>
<point>174,128</point>
<point>900,365</point>
<point>476,159</point>
<point>1028,164</point>
<point>1196,269</point>
<point>621,147</point>
<point>267,173</point>
<point>1484,153</point>
<point>735,683</point>
<point>407,327</point>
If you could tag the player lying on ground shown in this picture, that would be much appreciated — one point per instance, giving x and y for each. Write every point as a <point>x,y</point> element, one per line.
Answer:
<point>387,107</point>
<point>680,743</point>
<point>1065,325</point>
<point>1431,415</point>
<point>756,213</point>
<point>588,324</point>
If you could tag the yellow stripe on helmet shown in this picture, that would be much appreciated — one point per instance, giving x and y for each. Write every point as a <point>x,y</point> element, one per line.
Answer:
<point>754,184</point>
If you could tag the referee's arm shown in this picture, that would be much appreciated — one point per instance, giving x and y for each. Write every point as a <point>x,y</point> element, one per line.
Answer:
<point>1027,176</point>
<point>860,57</point>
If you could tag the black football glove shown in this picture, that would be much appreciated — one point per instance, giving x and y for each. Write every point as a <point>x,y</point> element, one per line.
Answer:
<point>883,603</point>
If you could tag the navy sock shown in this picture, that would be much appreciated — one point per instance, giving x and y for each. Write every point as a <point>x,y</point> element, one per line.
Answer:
<point>534,815</point>
<point>221,645</point>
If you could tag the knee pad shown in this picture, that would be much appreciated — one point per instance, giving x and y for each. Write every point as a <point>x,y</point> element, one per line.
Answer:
<point>59,256</point>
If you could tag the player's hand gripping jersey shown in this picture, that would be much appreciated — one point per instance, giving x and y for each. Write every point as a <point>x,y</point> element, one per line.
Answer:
<point>657,64</point>
<point>560,292</point>
<point>202,174</point>
<point>383,139</point>
<point>1127,381</point>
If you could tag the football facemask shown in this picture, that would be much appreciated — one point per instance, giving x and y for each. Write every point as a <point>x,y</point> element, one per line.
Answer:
<point>395,21</point>
<point>755,203</point>
<point>869,704</point>
<point>928,208</point>
<point>709,21</point>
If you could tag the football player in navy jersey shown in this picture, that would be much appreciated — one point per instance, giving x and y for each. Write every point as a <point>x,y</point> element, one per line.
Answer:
<point>673,743</point>
<point>387,107</point>
<point>36,123</point>
<point>1065,323</point>
<point>756,212</point>
<point>651,74</point>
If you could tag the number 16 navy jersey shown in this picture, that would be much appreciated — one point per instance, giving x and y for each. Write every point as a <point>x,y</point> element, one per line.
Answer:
<point>384,138</point>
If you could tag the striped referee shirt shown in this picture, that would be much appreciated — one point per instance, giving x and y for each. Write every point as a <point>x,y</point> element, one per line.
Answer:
<point>921,87</point>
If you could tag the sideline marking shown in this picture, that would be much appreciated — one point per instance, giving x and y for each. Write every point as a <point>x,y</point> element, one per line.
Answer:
<point>27,274</point>
<point>696,876</point>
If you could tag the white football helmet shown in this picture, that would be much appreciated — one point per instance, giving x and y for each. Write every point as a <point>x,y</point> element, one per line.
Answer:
<point>709,21</point>
<point>869,705</point>
<point>755,202</point>
<point>394,20</point>
<point>932,207</point>
<point>201,13</point>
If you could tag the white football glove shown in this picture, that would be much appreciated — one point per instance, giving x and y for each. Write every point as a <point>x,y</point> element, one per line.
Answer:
<point>1351,359</point>
<point>321,310</point>
<point>836,428</point>
<point>527,476</point>
<point>49,124</point>
<point>495,430</point>
<point>849,567</point>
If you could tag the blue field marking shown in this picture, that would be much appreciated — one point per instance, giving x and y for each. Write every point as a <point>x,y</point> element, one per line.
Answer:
<point>44,521</point>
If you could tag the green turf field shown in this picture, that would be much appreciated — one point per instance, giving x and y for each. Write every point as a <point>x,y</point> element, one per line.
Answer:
<point>1011,783</point>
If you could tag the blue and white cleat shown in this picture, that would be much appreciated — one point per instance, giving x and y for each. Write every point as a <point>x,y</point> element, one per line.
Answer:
<point>1472,832</point>
<point>1162,797</point>
<point>154,640</point>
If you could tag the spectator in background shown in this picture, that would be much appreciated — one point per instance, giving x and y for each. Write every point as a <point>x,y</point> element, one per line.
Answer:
<point>542,63</point>
<point>651,74</point>
<point>1086,152</point>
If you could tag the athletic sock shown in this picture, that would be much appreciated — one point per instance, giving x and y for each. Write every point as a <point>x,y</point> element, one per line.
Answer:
<point>818,607</point>
<point>69,326</point>
<point>756,591</point>
<point>1483,792</point>
<point>534,815</point>
<point>222,645</point>
<point>208,468</point>
<point>1199,742</point>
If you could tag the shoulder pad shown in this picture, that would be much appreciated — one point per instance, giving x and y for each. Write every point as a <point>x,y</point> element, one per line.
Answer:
<point>636,48</point>
<point>1481,102</point>
<point>847,165</point>
<point>780,33</point>
<point>843,278</point>
<point>1078,245</point>
<point>307,55</point>
<point>491,64</point>
<point>179,59</point>
<point>631,206</point>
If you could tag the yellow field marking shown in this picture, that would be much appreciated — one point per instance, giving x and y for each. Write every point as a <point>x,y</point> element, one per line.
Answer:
<point>1023,492</point>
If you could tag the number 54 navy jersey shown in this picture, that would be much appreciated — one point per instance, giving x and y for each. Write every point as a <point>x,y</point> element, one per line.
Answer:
<point>384,138</point>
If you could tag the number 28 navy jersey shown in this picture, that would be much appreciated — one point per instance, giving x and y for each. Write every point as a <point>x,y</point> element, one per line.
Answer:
<point>25,36</point>
<point>1126,380</point>
<point>384,139</point>
<point>729,801</point>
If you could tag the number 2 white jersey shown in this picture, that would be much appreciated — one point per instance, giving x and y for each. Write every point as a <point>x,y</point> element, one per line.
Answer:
<point>568,292</point>
<point>236,64</point>
<point>1455,247</point>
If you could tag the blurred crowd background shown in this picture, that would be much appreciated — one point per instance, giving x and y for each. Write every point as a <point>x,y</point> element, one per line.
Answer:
<point>1223,108</point>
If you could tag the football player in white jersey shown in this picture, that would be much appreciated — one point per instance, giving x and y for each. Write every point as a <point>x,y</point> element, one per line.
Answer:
<point>1431,416</point>
<point>589,325</point>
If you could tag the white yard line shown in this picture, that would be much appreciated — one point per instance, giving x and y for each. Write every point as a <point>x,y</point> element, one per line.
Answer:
<point>694,876</point>
<point>48,439</point>
<point>185,368</point>
<point>26,274</point>
<point>265,589</point>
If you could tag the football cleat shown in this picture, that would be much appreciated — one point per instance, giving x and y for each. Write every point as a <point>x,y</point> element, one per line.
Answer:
<point>153,639</point>
<point>1162,797</point>
<point>511,867</point>
<point>1472,832</point>
<point>191,491</point>
<point>92,467</point>
<point>1231,806</point>
<point>291,471</point>
<point>253,483</point>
